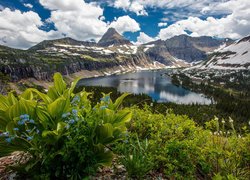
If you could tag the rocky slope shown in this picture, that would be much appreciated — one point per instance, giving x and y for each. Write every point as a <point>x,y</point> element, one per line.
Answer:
<point>113,51</point>
<point>69,56</point>
<point>183,49</point>
<point>113,38</point>
<point>234,56</point>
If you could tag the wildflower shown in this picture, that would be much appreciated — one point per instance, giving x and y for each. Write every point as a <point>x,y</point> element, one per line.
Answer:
<point>21,122</point>
<point>151,104</point>
<point>29,138</point>
<point>31,121</point>
<point>66,115</point>
<point>16,129</point>
<point>37,131</point>
<point>239,136</point>
<point>76,99</point>
<point>74,111</point>
<point>28,130</point>
<point>231,120</point>
<point>6,134</point>
<point>103,107</point>
<point>83,107</point>
<point>221,132</point>
<point>72,121</point>
<point>67,126</point>
<point>25,117</point>
<point>216,118</point>
<point>223,121</point>
<point>8,140</point>
<point>249,123</point>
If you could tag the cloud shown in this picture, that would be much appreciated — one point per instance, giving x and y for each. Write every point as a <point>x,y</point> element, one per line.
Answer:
<point>132,6</point>
<point>162,24</point>
<point>76,19</point>
<point>28,5</point>
<point>125,24</point>
<point>234,25</point>
<point>140,6</point>
<point>143,38</point>
<point>84,21</point>
<point>21,30</point>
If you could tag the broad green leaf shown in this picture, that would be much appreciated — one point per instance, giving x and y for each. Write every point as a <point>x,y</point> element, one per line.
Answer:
<point>27,94</point>
<point>103,134</point>
<point>58,107</point>
<point>59,83</point>
<point>118,101</point>
<point>46,99</point>
<point>12,99</point>
<point>4,103</point>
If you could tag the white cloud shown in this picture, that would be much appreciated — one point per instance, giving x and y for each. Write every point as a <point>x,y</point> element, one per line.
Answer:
<point>144,38</point>
<point>21,30</point>
<point>28,5</point>
<point>84,21</point>
<point>76,19</point>
<point>124,4</point>
<point>132,6</point>
<point>235,25</point>
<point>72,18</point>
<point>162,24</point>
<point>140,6</point>
<point>125,24</point>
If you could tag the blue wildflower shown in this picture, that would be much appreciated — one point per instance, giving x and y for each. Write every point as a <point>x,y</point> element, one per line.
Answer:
<point>16,129</point>
<point>74,111</point>
<point>29,138</point>
<point>67,126</point>
<point>31,121</point>
<point>37,131</point>
<point>103,107</point>
<point>76,118</point>
<point>21,122</point>
<point>71,121</point>
<point>28,130</point>
<point>8,140</point>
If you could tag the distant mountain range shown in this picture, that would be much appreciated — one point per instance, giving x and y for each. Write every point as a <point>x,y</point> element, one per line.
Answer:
<point>113,53</point>
<point>234,56</point>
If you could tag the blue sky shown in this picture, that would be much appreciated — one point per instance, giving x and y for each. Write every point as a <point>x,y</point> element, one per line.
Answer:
<point>24,23</point>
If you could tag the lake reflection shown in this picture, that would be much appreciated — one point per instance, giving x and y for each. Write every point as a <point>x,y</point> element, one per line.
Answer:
<point>152,83</point>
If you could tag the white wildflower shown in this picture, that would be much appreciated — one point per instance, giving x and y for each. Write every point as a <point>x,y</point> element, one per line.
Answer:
<point>231,120</point>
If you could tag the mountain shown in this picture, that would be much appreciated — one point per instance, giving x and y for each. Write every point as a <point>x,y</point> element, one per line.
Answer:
<point>112,54</point>
<point>234,56</point>
<point>69,56</point>
<point>66,41</point>
<point>183,48</point>
<point>113,38</point>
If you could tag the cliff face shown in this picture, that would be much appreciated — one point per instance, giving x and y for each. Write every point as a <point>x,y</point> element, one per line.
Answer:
<point>67,59</point>
<point>185,48</point>
<point>68,56</point>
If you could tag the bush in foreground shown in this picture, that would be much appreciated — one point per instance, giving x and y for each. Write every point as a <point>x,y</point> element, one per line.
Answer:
<point>65,136</point>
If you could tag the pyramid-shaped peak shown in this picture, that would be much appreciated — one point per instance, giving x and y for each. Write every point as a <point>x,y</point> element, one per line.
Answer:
<point>112,37</point>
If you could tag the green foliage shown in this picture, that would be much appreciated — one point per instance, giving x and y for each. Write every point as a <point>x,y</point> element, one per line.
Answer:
<point>181,149</point>
<point>135,157</point>
<point>65,135</point>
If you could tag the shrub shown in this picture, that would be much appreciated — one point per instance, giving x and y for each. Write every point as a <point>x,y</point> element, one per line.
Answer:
<point>65,136</point>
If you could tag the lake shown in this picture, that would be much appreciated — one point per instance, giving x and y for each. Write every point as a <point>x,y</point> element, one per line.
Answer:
<point>151,83</point>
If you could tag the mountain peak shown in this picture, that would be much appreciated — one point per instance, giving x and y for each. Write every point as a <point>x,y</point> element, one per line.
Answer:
<point>112,37</point>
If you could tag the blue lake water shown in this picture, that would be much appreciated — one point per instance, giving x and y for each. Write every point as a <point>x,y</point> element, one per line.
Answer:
<point>151,83</point>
